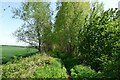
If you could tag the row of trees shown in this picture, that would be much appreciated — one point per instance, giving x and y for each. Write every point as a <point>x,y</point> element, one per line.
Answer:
<point>37,27</point>
<point>90,34</point>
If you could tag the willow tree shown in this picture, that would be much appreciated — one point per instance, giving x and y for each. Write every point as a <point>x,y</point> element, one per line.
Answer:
<point>69,20</point>
<point>36,27</point>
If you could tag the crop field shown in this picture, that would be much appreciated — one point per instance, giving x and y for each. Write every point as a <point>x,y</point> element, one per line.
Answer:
<point>8,52</point>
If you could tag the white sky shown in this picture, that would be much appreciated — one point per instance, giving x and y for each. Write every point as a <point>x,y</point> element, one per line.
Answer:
<point>9,25</point>
<point>110,3</point>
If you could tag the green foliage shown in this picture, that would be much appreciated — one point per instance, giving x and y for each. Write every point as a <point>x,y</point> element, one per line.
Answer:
<point>55,70</point>
<point>31,66</point>
<point>36,28</point>
<point>110,67</point>
<point>91,36</point>
<point>82,72</point>
<point>69,61</point>
<point>0,72</point>
<point>69,19</point>
<point>99,36</point>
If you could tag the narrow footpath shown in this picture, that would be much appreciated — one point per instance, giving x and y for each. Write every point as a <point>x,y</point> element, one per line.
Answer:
<point>68,72</point>
<point>67,68</point>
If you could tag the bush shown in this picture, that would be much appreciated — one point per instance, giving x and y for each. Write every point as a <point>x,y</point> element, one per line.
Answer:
<point>100,36</point>
<point>55,70</point>
<point>111,68</point>
<point>36,66</point>
<point>82,72</point>
<point>50,72</point>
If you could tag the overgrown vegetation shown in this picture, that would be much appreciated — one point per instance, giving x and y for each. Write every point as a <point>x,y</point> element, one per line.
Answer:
<point>83,72</point>
<point>36,66</point>
<point>80,36</point>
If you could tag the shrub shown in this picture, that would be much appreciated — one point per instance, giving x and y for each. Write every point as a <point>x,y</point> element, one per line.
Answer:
<point>83,72</point>
<point>50,72</point>
<point>55,70</point>
<point>111,68</point>
<point>99,36</point>
<point>36,66</point>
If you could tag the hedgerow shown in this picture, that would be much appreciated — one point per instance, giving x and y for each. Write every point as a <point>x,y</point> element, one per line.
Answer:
<point>36,66</point>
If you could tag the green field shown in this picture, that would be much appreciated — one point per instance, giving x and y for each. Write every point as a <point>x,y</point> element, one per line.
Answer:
<point>8,52</point>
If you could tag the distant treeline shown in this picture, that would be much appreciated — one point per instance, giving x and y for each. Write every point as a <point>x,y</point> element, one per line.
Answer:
<point>17,46</point>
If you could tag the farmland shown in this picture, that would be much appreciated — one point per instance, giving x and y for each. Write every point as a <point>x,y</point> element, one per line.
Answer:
<point>8,52</point>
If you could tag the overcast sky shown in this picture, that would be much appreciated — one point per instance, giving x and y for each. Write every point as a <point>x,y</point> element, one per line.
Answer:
<point>8,25</point>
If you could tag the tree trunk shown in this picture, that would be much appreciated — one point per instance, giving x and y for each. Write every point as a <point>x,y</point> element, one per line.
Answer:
<point>38,34</point>
<point>39,46</point>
